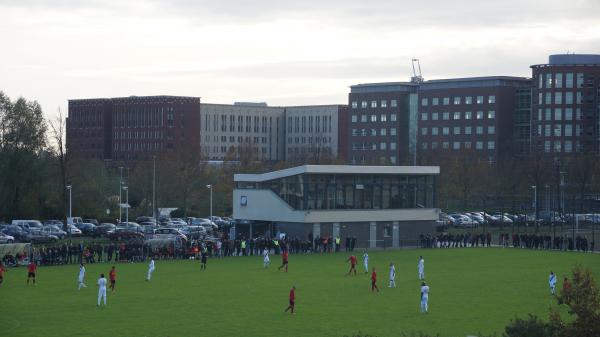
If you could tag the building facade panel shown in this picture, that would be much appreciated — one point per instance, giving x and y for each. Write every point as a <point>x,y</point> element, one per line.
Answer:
<point>566,105</point>
<point>229,131</point>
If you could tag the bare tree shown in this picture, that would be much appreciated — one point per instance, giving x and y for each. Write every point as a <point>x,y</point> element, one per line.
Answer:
<point>58,128</point>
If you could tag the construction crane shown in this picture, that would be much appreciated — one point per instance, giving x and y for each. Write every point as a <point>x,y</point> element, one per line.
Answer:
<point>417,76</point>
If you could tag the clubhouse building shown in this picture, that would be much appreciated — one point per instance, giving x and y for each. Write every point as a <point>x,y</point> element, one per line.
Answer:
<point>381,206</point>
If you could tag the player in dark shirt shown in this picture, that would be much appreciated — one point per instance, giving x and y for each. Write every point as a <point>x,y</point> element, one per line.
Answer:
<point>284,263</point>
<point>352,260</point>
<point>292,300</point>
<point>31,269</point>
<point>374,281</point>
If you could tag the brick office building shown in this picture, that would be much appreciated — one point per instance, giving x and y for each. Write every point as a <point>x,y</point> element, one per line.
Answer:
<point>566,104</point>
<point>484,116</point>
<point>132,128</point>
<point>382,123</point>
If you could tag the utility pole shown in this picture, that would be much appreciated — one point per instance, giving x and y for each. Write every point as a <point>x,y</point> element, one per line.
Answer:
<point>120,188</point>
<point>126,188</point>
<point>154,188</point>
<point>210,187</point>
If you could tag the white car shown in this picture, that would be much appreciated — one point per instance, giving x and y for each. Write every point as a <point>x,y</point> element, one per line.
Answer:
<point>4,238</point>
<point>74,231</point>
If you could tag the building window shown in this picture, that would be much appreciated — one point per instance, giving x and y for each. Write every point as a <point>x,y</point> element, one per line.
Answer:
<point>479,115</point>
<point>354,118</point>
<point>491,145</point>
<point>456,115</point>
<point>392,131</point>
<point>568,114</point>
<point>383,146</point>
<point>373,104</point>
<point>383,132</point>
<point>434,116</point>
<point>547,130</point>
<point>435,101</point>
<point>492,99</point>
<point>392,159</point>
<point>491,130</point>
<point>491,114</point>
<point>557,130</point>
<point>434,131</point>
<point>468,100</point>
<point>479,99</point>
<point>383,118</point>
<point>467,145</point>
<point>373,132</point>
<point>547,146</point>
<point>558,98</point>
<point>363,104</point>
<point>568,130</point>
<point>558,80</point>
<point>446,100</point>
<point>423,131</point>
<point>456,145</point>
<point>393,103</point>
<point>373,118</point>
<point>569,80</point>
<point>557,114</point>
<point>468,115</point>
<point>578,97</point>
<point>393,117</point>
<point>548,114</point>
<point>457,130</point>
<point>549,81</point>
<point>479,130</point>
<point>579,80</point>
<point>445,131</point>
<point>568,146</point>
<point>434,145</point>
<point>383,103</point>
<point>578,114</point>
<point>445,145</point>
<point>392,146</point>
<point>424,116</point>
<point>557,146</point>
<point>354,104</point>
<point>456,100</point>
<point>568,97</point>
<point>424,102</point>
<point>467,130</point>
<point>446,116</point>
<point>479,145</point>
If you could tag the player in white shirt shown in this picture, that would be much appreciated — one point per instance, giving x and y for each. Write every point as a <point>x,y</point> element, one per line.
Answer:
<point>552,282</point>
<point>266,260</point>
<point>366,261</point>
<point>421,268</point>
<point>150,270</point>
<point>424,297</point>
<point>392,276</point>
<point>81,277</point>
<point>101,289</point>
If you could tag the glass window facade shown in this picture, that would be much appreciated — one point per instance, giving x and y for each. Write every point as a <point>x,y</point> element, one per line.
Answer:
<point>351,191</point>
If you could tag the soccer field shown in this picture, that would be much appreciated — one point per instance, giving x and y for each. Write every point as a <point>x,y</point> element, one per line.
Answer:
<point>472,291</point>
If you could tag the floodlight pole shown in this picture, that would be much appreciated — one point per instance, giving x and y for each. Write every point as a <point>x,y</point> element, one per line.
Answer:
<point>210,187</point>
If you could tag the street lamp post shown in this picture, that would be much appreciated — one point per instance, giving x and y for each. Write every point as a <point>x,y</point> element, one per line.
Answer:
<point>120,189</point>
<point>126,188</point>
<point>534,187</point>
<point>70,202</point>
<point>210,187</point>
<point>154,188</point>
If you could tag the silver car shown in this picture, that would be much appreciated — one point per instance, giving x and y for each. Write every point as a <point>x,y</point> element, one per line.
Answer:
<point>4,238</point>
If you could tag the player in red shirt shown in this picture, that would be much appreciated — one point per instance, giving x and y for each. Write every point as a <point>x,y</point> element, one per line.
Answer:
<point>292,300</point>
<point>352,260</point>
<point>284,257</point>
<point>31,268</point>
<point>113,278</point>
<point>374,281</point>
<point>2,270</point>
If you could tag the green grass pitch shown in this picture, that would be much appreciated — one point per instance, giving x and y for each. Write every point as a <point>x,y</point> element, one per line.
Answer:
<point>472,291</point>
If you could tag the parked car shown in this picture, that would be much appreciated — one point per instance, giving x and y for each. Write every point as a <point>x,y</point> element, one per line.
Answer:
<point>74,220</point>
<point>125,234</point>
<point>104,229</point>
<point>56,223</point>
<point>73,231</point>
<point>169,233</point>
<point>144,218</point>
<point>16,232</point>
<point>4,238</point>
<point>86,228</point>
<point>206,223</point>
<point>132,226</point>
<point>92,221</point>
<point>194,232</point>
<point>178,221</point>
<point>54,230</point>
<point>38,236</point>
<point>28,225</point>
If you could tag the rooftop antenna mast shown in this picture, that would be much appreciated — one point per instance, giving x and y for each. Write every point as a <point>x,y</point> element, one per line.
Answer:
<point>417,76</point>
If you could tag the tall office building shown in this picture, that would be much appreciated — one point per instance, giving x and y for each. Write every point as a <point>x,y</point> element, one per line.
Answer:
<point>132,128</point>
<point>229,131</point>
<point>383,123</point>
<point>313,131</point>
<point>566,105</point>
<point>476,115</point>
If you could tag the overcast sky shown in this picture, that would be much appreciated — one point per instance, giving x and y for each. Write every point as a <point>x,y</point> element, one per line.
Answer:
<point>284,52</point>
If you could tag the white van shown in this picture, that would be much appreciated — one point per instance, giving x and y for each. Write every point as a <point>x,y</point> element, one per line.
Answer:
<point>74,220</point>
<point>28,224</point>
